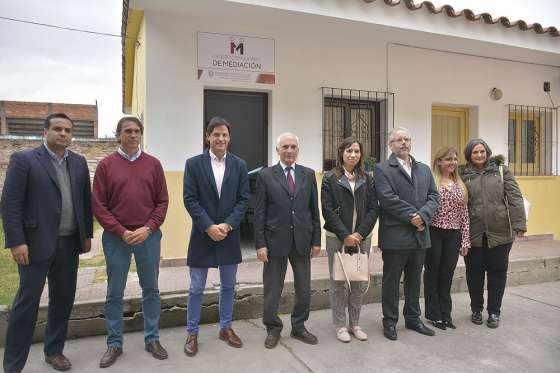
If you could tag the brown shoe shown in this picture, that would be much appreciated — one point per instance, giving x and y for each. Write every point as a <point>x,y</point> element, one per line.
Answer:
<point>58,362</point>
<point>110,356</point>
<point>271,340</point>
<point>157,350</point>
<point>228,335</point>
<point>191,345</point>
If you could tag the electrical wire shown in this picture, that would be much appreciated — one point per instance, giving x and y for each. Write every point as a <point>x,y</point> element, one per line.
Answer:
<point>61,27</point>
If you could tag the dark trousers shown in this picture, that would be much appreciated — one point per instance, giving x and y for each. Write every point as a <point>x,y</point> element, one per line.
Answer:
<point>439,266</point>
<point>274,273</point>
<point>494,263</point>
<point>61,270</point>
<point>395,262</point>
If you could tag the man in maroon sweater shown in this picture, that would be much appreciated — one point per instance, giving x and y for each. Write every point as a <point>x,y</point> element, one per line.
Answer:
<point>130,202</point>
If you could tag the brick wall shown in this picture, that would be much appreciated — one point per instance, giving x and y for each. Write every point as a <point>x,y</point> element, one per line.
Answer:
<point>93,149</point>
<point>40,110</point>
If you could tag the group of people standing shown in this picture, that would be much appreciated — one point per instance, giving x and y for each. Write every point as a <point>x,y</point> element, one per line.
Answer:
<point>427,218</point>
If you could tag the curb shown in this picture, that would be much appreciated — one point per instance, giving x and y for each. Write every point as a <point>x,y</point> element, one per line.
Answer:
<point>87,318</point>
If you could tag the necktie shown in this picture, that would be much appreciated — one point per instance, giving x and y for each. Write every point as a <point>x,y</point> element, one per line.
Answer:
<point>291,183</point>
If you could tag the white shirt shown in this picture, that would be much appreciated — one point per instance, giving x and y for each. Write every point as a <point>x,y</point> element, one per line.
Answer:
<point>406,167</point>
<point>131,158</point>
<point>219,169</point>
<point>293,170</point>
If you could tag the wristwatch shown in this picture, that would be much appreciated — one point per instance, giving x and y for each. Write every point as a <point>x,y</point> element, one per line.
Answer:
<point>149,230</point>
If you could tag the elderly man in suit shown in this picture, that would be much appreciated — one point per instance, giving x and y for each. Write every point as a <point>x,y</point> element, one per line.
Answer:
<point>216,194</point>
<point>287,227</point>
<point>408,198</point>
<point>46,211</point>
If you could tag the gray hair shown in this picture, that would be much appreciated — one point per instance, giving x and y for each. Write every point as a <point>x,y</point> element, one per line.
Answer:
<point>398,129</point>
<point>284,135</point>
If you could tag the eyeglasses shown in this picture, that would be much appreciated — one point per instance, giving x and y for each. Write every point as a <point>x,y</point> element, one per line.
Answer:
<point>402,139</point>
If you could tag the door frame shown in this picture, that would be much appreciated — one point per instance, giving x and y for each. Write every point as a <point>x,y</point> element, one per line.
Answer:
<point>462,113</point>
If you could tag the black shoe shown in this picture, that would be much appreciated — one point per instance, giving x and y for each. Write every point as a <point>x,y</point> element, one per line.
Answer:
<point>156,349</point>
<point>303,335</point>
<point>438,324</point>
<point>449,324</point>
<point>419,327</point>
<point>271,340</point>
<point>476,317</point>
<point>390,332</point>
<point>493,321</point>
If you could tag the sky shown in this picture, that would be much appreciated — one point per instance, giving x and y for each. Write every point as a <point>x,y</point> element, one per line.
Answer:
<point>50,65</point>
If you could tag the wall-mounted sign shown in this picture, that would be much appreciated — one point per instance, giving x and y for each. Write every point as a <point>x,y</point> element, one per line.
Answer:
<point>235,58</point>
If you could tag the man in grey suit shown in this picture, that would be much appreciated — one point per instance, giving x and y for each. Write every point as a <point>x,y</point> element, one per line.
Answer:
<point>408,198</point>
<point>287,227</point>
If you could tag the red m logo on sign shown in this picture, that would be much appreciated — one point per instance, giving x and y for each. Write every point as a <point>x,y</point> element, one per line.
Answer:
<point>233,48</point>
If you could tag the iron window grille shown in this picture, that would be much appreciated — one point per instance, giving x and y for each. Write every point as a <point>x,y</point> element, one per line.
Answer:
<point>532,140</point>
<point>364,115</point>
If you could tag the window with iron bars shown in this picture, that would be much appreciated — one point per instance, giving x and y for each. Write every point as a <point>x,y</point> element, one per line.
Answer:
<point>532,140</point>
<point>361,114</point>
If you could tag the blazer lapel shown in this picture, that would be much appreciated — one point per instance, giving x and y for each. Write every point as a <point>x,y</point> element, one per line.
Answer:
<point>343,182</point>
<point>300,178</point>
<point>395,162</point>
<point>281,177</point>
<point>72,164</point>
<point>207,167</point>
<point>229,165</point>
<point>45,159</point>
<point>359,182</point>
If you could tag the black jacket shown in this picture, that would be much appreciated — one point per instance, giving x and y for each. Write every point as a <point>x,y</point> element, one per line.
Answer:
<point>400,196</point>
<point>338,201</point>
<point>280,218</point>
<point>31,201</point>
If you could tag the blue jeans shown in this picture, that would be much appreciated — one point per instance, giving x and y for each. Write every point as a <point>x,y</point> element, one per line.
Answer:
<point>117,255</point>
<point>227,292</point>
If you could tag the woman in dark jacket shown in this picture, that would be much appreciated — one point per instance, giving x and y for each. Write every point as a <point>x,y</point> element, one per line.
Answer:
<point>350,210</point>
<point>497,216</point>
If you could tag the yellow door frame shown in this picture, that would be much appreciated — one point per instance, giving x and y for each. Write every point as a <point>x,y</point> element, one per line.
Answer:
<point>463,115</point>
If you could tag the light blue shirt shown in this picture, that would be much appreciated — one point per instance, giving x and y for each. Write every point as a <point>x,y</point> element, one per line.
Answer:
<point>131,158</point>
<point>54,156</point>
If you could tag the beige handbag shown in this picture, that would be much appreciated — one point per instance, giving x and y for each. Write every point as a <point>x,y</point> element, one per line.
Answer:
<point>351,267</point>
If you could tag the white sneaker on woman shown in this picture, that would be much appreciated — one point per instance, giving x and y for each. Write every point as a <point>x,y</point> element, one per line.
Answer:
<point>358,333</point>
<point>342,335</point>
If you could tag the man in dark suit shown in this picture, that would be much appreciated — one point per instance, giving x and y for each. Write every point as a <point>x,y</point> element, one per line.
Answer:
<point>216,194</point>
<point>287,227</point>
<point>408,198</point>
<point>47,218</point>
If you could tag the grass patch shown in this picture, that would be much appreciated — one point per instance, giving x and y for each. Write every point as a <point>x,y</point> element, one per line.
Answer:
<point>9,276</point>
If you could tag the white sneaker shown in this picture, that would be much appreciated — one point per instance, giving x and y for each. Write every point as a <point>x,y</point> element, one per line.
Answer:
<point>342,335</point>
<point>358,333</point>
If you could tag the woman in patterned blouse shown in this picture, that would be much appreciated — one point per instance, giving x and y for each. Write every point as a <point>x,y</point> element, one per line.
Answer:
<point>449,233</point>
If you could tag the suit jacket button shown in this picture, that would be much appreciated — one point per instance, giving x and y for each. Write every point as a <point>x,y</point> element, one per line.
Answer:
<point>293,212</point>
<point>291,227</point>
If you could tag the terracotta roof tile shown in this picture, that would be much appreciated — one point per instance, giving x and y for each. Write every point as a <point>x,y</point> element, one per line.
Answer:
<point>471,16</point>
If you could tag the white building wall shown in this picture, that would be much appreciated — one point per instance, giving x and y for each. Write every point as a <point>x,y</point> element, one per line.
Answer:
<point>314,51</point>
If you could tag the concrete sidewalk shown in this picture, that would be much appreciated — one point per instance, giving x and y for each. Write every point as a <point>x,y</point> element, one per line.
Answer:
<point>528,340</point>
<point>92,285</point>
